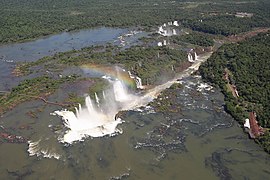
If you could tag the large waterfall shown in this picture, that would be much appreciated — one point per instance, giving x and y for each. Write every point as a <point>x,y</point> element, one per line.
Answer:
<point>120,92</point>
<point>98,118</point>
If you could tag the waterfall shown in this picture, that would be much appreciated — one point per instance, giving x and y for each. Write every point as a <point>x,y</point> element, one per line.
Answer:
<point>101,121</point>
<point>160,29</point>
<point>139,83</point>
<point>159,44</point>
<point>97,120</point>
<point>196,56</point>
<point>175,23</point>
<point>137,79</point>
<point>80,108</point>
<point>120,92</point>
<point>97,99</point>
<point>89,104</point>
<point>166,29</point>
<point>164,42</point>
<point>77,112</point>
<point>104,96</point>
<point>190,58</point>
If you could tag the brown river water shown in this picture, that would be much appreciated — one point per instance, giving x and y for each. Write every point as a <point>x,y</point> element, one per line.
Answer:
<point>201,141</point>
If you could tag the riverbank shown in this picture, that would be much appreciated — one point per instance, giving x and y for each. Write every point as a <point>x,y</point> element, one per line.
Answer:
<point>250,82</point>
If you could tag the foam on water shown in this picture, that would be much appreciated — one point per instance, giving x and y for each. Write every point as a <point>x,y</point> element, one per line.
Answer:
<point>100,120</point>
<point>35,150</point>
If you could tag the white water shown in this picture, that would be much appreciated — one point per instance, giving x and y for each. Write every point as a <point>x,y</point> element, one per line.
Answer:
<point>34,149</point>
<point>137,80</point>
<point>100,121</point>
<point>167,30</point>
<point>139,83</point>
<point>175,23</point>
<point>97,99</point>
<point>190,56</point>
<point>195,56</point>
<point>120,91</point>
<point>164,42</point>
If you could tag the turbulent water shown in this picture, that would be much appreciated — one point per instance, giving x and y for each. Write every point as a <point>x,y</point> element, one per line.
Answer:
<point>99,119</point>
<point>199,137</point>
<point>193,139</point>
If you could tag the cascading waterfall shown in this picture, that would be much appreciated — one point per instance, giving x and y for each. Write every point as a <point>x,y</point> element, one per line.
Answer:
<point>97,119</point>
<point>103,94</point>
<point>190,58</point>
<point>101,121</point>
<point>159,44</point>
<point>137,79</point>
<point>120,91</point>
<point>139,83</point>
<point>196,56</point>
<point>92,120</point>
<point>97,99</point>
<point>175,23</point>
<point>167,30</point>
<point>164,42</point>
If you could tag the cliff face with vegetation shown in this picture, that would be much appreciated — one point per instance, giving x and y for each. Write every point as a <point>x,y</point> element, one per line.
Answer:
<point>245,67</point>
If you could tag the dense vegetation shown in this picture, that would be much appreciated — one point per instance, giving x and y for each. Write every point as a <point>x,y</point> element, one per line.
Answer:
<point>28,19</point>
<point>247,65</point>
<point>31,89</point>
<point>153,64</point>
<point>199,39</point>
<point>149,63</point>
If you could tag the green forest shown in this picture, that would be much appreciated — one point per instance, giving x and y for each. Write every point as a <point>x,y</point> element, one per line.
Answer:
<point>153,64</point>
<point>248,65</point>
<point>200,39</point>
<point>147,62</point>
<point>29,19</point>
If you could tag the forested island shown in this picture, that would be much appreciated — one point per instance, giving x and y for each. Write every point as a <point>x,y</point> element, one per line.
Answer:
<point>153,64</point>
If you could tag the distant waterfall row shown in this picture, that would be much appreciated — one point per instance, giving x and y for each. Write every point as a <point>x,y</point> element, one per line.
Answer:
<point>167,30</point>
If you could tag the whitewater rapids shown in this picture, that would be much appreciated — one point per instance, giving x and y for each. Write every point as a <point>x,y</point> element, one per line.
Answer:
<point>98,120</point>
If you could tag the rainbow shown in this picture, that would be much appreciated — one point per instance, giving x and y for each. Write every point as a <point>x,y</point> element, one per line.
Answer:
<point>112,71</point>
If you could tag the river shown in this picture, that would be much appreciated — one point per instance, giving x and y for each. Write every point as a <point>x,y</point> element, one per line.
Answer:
<point>11,54</point>
<point>199,141</point>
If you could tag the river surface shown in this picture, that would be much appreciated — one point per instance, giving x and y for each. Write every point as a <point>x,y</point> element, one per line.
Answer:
<point>199,141</point>
<point>30,51</point>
